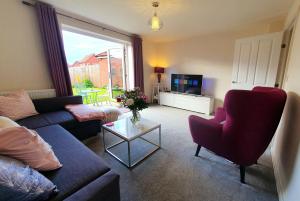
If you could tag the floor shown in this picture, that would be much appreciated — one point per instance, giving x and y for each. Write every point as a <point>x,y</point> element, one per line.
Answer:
<point>173,173</point>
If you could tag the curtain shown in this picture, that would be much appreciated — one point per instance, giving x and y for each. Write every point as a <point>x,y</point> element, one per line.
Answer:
<point>53,45</point>
<point>138,62</point>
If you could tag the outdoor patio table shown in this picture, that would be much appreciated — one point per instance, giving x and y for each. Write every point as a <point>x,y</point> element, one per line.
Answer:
<point>92,93</point>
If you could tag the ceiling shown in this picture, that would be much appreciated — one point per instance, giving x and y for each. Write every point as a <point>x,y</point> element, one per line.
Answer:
<point>181,18</point>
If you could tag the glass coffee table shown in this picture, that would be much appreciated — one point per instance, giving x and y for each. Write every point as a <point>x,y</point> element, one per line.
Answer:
<point>128,132</point>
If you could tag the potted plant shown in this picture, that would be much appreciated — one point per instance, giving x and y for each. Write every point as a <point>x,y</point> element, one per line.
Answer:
<point>135,100</point>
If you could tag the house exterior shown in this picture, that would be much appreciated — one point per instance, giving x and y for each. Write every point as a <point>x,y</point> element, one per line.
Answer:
<point>94,67</point>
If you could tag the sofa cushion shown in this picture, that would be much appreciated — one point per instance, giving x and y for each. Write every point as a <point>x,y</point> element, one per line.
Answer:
<point>81,130</point>
<point>62,117</point>
<point>27,146</point>
<point>17,105</point>
<point>19,182</point>
<point>53,104</point>
<point>104,188</point>
<point>80,165</point>
<point>34,122</point>
<point>6,122</point>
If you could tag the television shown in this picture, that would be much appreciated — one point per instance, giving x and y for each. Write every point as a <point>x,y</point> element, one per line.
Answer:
<point>188,84</point>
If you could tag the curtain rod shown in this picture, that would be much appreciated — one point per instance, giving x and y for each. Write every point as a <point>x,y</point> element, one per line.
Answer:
<point>90,23</point>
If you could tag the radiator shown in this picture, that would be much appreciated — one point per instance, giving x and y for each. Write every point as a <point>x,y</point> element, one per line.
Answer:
<point>36,94</point>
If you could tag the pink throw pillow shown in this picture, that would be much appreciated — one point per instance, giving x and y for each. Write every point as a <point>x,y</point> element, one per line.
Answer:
<point>27,146</point>
<point>17,105</point>
<point>85,112</point>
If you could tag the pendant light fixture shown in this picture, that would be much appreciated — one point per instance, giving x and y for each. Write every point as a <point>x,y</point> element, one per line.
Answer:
<point>155,23</point>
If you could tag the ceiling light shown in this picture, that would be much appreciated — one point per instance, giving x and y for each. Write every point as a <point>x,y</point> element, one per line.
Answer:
<point>155,23</point>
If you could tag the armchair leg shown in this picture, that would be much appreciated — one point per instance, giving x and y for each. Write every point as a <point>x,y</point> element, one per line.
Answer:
<point>198,150</point>
<point>242,173</point>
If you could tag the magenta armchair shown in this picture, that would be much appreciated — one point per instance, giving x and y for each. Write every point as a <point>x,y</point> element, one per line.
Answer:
<point>243,129</point>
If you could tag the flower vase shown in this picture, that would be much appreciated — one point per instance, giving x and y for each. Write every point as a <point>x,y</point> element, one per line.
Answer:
<point>136,116</point>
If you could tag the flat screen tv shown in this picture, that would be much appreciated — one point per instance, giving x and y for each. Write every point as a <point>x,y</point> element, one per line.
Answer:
<point>188,84</point>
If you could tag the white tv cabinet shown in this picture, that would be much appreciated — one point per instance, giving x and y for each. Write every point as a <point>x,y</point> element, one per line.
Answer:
<point>195,103</point>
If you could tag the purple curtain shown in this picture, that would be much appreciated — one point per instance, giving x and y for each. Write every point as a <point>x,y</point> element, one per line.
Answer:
<point>138,62</point>
<point>54,49</point>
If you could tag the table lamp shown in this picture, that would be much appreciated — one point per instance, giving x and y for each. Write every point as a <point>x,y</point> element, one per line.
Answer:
<point>159,71</point>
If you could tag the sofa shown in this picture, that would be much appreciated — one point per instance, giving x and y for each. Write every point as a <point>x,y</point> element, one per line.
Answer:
<point>84,176</point>
<point>52,111</point>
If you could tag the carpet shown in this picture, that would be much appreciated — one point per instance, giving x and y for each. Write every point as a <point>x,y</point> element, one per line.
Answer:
<point>173,173</point>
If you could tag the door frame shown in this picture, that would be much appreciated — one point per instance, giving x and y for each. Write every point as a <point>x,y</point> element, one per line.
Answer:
<point>109,65</point>
<point>235,84</point>
<point>285,54</point>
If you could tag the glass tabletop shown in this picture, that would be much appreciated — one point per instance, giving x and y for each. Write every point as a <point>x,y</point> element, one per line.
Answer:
<point>125,129</point>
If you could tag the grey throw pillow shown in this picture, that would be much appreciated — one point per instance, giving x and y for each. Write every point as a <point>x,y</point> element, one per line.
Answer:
<point>20,182</point>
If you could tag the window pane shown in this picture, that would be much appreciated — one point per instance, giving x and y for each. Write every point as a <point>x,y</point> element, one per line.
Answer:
<point>90,67</point>
<point>117,68</point>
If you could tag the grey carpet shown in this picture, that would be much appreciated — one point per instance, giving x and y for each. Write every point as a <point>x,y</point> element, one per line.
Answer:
<point>174,174</point>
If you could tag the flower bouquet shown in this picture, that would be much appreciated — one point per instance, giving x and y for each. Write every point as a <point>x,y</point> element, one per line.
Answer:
<point>135,100</point>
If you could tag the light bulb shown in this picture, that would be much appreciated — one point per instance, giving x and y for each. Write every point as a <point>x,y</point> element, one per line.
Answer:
<point>155,23</point>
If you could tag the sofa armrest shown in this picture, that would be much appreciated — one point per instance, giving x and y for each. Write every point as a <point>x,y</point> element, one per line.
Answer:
<point>55,104</point>
<point>104,188</point>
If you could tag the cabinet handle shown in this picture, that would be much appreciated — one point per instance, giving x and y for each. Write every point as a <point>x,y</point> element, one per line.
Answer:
<point>233,82</point>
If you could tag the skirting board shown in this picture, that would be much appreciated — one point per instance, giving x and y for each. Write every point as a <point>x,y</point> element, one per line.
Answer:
<point>278,177</point>
<point>36,94</point>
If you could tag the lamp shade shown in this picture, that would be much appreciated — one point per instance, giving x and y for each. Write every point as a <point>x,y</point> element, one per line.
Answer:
<point>155,23</point>
<point>159,70</point>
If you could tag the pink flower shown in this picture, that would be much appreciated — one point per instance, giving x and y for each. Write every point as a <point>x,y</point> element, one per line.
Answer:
<point>129,102</point>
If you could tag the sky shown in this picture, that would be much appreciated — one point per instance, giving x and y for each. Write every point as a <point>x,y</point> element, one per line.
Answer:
<point>77,46</point>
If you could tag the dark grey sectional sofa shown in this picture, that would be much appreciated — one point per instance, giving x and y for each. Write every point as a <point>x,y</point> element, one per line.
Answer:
<point>84,176</point>
<point>52,111</point>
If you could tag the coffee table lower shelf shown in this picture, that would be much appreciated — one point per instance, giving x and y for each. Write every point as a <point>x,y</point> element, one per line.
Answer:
<point>129,163</point>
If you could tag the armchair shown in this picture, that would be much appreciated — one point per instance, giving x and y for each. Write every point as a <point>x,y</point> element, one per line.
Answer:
<point>241,130</point>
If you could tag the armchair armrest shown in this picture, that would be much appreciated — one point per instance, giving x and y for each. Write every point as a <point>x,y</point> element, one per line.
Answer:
<point>220,114</point>
<point>55,104</point>
<point>204,130</point>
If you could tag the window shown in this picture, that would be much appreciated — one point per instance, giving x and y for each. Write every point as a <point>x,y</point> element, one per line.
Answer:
<point>99,68</point>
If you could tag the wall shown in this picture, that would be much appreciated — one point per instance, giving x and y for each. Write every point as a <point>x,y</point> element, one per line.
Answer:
<point>22,60</point>
<point>80,27</point>
<point>210,55</point>
<point>286,149</point>
<point>23,64</point>
<point>149,59</point>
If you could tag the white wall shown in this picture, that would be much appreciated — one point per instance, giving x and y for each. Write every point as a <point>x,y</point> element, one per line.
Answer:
<point>22,60</point>
<point>286,149</point>
<point>149,59</point>
<point>210,55</point>
<point>95,29</point>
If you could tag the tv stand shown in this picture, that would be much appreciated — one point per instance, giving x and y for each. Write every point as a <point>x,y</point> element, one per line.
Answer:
<point>195,103</point>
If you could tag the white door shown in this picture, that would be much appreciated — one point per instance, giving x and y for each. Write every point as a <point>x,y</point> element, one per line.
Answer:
<point>116,71</point>
<point>256,61</point>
